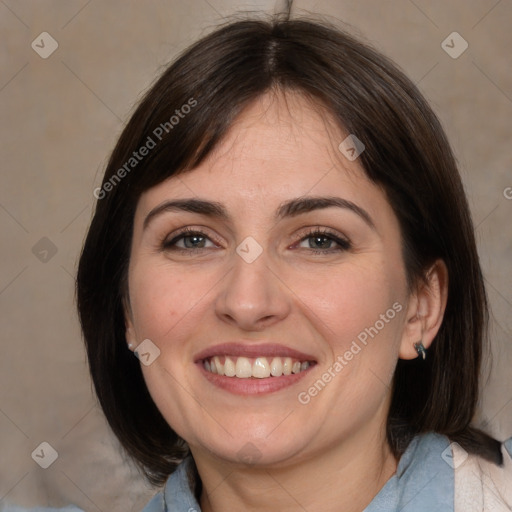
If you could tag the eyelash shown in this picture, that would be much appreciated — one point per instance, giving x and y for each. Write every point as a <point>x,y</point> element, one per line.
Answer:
<point>344,244</point>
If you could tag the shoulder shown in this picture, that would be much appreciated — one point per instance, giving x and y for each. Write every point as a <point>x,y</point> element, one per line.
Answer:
<point>480,484</point>
<point>435,473</point>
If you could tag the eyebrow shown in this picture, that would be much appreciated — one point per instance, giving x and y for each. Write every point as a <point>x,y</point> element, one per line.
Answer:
<point>290,208</point>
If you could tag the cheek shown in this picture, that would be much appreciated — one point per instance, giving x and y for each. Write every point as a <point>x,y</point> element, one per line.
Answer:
<point>166,304</point>
<point>160,298</point>
<point>359,313</point>
<point>353,300</point>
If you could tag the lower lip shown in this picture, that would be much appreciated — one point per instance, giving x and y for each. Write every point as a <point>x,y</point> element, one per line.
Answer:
<point>253,386</point>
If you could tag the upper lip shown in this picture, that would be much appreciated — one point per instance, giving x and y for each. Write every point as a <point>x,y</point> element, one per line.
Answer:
<point>245,349</point>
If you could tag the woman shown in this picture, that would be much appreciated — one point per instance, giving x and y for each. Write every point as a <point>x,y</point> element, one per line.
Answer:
<point>283,240</point>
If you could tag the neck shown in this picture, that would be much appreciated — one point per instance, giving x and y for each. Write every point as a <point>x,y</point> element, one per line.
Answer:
<point>346,477</point>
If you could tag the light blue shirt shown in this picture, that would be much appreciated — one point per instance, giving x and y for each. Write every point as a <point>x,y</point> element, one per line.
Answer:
<point>423,482</point>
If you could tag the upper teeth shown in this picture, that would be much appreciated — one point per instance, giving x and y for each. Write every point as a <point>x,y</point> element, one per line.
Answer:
<point>260,368</point>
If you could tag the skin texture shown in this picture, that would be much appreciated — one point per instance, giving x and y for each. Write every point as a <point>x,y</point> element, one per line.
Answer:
<point>328,454</point>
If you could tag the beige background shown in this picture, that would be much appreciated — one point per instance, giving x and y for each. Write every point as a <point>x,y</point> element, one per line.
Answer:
<point>60,117</point>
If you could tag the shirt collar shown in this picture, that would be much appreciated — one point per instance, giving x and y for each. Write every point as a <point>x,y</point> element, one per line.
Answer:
<point>179,489</point>
<point>424,480</point>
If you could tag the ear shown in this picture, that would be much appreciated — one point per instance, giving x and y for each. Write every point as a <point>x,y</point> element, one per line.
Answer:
<point>131,337</point>
<point>425,310</point>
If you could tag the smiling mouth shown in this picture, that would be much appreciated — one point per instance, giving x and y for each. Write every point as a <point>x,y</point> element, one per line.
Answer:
<point>254,368</point>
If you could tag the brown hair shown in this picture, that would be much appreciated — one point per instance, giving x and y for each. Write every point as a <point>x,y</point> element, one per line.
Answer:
<point>407,154</point>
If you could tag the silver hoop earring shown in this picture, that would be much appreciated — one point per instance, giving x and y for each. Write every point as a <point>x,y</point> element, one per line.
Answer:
<point>420,348</point>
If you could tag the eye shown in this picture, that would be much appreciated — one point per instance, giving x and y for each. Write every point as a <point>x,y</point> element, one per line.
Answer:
<point>316,240</point>
<point>187,240</point>
<point>321,241</point>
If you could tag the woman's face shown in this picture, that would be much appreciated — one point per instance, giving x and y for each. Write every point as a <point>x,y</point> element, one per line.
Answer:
<point>304,303</point>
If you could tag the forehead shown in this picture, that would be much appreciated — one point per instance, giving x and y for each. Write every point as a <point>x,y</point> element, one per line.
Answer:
<point>282,128</point>
<point>281,145</point>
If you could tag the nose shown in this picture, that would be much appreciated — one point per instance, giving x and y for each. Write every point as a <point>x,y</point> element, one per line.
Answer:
<point>252,297</point>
